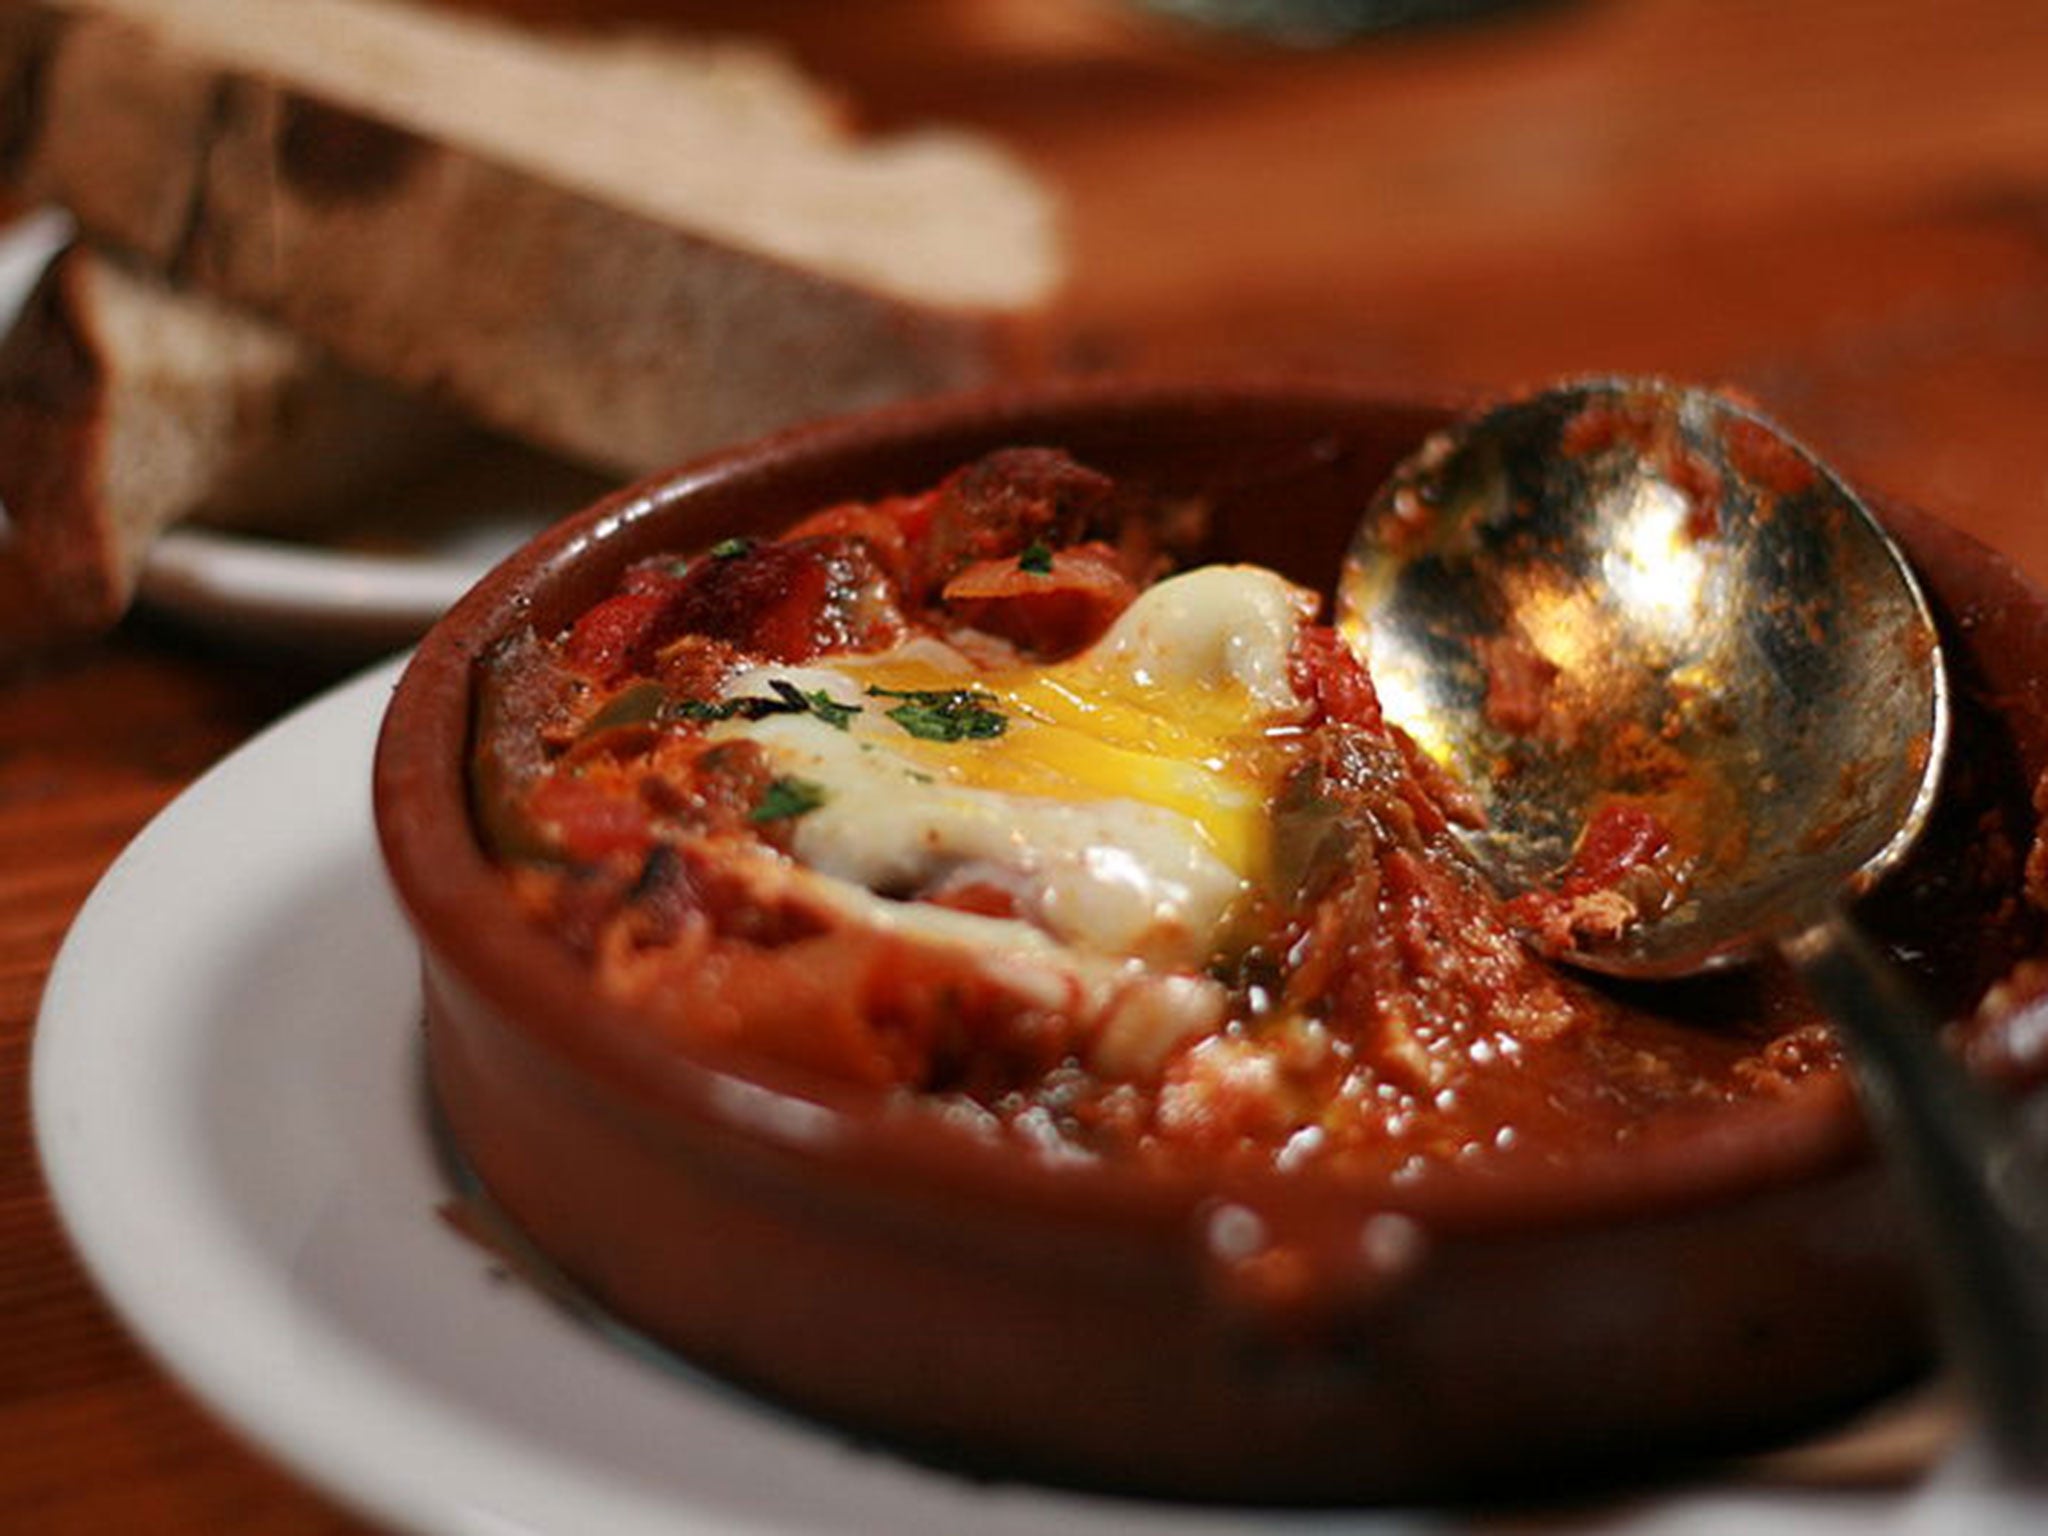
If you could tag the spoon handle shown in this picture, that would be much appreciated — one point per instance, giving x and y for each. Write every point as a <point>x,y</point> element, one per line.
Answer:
<point>1975,1170</point>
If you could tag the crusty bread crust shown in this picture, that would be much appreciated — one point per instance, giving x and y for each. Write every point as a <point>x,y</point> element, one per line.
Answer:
<point>625,331</point>
<point>126,406</point>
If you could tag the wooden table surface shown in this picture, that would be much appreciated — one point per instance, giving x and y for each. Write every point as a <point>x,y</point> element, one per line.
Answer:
<point>1840,205</point>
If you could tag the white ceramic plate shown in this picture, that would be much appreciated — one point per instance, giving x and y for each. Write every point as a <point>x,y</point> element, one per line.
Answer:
<point>229,1104</point>
<point>304,594</point>
<point>440,530</point>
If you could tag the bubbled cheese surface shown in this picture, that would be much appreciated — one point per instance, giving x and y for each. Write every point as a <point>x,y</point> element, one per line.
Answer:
<point>1121,809</point>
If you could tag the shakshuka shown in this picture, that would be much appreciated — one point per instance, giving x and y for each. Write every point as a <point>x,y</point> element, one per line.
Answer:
<point>995,799</point>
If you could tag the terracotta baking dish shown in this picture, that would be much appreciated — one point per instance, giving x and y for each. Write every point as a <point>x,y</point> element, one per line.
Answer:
<point>1278,1339</point>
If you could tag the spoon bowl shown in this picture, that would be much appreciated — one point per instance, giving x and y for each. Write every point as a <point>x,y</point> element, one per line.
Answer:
<point>1626,594</point>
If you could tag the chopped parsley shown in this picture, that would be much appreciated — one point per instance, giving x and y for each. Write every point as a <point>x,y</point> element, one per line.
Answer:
<point>786,798</point>
<point>1036,559</point>
<point>731,549</point>
<point>789,700</point>
<point>818,702</point>
<point>933,714</point>
<point>939,714</point>
<point>704,711</point>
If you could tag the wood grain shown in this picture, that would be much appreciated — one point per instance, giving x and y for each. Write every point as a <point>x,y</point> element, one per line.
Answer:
<point>93,1438</point>
<point>1841,206</point>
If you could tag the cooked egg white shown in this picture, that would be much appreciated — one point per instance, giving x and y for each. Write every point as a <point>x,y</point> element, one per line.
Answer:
<point>1122,809</point>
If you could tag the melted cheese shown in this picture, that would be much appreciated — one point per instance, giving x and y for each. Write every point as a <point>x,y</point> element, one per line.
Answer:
<point>1123,808</point>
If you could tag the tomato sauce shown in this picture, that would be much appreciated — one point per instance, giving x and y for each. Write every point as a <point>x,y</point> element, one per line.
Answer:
<point>1376,1006</point>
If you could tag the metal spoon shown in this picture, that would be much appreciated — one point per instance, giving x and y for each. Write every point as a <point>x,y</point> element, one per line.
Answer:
<point>1637,615</point>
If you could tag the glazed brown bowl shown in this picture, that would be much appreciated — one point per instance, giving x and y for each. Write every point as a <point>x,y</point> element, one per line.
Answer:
<point>1258,1337</point>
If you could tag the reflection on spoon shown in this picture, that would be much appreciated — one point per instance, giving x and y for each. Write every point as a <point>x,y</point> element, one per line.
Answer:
<point>1699,698</point>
